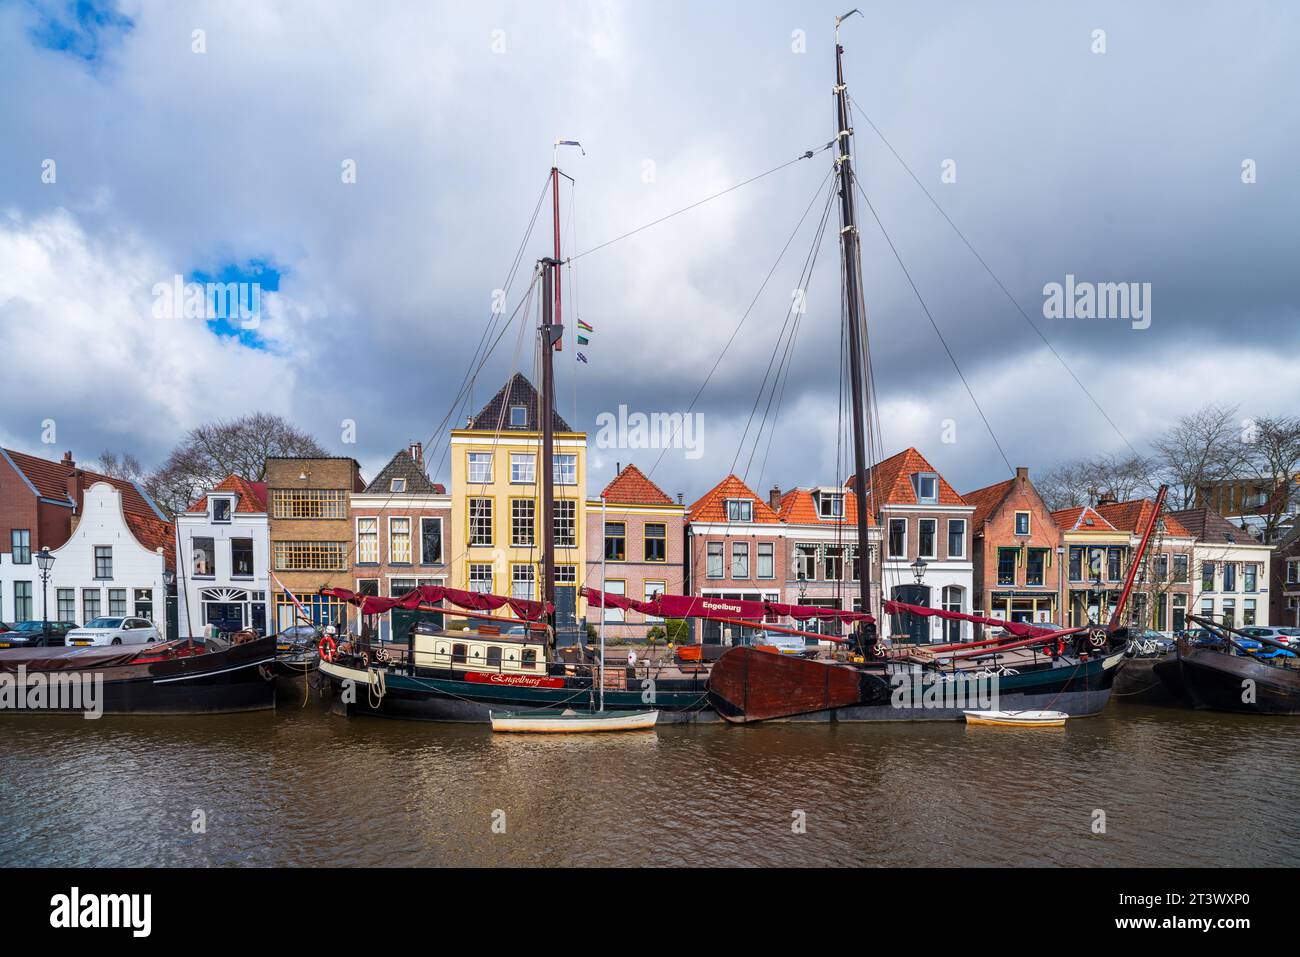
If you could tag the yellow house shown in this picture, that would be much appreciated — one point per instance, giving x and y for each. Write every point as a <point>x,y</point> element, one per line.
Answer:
<point>1095,555</point>
<point>496,507</point>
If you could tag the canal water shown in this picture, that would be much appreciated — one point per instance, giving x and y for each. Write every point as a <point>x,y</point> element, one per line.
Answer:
<point>302,787</point>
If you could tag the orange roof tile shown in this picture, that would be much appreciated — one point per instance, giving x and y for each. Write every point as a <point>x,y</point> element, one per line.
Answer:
<point>1133,515</point>
<point>890,481</point>
<point>799,508</point>
<point>631,487</point>
<point>252,495</point>
<point>1073,519</point>
<point>712,507</point>
<point>154,534</point>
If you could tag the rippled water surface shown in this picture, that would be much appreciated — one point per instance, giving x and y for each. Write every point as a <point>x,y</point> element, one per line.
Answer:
<point>301,786</point>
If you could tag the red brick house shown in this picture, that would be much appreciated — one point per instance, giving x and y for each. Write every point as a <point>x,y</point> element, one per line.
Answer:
<point>1017,552</point>
<point>640,532</point>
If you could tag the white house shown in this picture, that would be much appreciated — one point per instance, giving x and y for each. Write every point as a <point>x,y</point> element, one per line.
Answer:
<point>1231,569</point>
<point>114,564</point>
<point>225,543</point>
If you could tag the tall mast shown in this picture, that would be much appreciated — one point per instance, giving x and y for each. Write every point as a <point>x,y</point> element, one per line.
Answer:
<point>852,284</point>
<point>550,332</point>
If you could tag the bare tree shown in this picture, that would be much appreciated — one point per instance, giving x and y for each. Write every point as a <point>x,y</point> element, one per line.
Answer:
<point>1275,457</point>
<point>125,466</point>
<point>1202,449</point>
<point>211,452</point>
<point>1083,481</point>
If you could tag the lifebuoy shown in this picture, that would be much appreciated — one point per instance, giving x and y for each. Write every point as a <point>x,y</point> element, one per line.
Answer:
<point>327,648</point>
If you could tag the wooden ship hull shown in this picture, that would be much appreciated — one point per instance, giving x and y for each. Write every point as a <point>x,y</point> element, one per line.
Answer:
<point>1138,682</point>
<point>1218,681</point>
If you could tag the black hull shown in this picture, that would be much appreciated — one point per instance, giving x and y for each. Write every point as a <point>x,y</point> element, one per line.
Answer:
<point>1216,681</point>
<point>1140,682</point>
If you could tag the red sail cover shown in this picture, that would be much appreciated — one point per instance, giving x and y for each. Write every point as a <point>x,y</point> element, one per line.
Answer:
<point>433,594</point>
<point>711,606</point>
<point>1014,627</point>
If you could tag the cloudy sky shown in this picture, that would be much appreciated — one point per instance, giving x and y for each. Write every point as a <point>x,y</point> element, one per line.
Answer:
<point>1117,166</point>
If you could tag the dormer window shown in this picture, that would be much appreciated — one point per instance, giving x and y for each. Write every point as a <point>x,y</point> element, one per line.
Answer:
<point>830,504</point>
<point>926,486</point>
<point>221,509</point>
<point>740,510</point>
<point>518,417</point>
<point>397,485</point>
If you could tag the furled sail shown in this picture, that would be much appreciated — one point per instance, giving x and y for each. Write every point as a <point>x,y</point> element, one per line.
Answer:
<point>433,594</point>
<point>712,606</point>
<point>1014,627</point>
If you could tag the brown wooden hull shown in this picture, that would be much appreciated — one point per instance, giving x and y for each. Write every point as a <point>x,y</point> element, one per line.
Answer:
<point>752,685</point>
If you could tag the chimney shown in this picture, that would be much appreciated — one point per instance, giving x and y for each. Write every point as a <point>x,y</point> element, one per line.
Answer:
<point>1108,498</point>
<point>679,499</point>
<point>774,498</point>
<point>417,453</point>
<point>1022,475</point>
<point>73,482</point>
<point>618,469</point>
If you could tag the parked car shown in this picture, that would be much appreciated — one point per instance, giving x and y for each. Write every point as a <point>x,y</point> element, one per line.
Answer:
<point>32,634</point>
<point>1287,636</point>
<point>114,631</point>
<point>783,643</point>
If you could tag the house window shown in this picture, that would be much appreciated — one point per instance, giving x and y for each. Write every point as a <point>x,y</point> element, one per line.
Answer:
<point>1230,612</point>
<point>1007,565</point>
<point>311,556</point>
<point>1250,575</point>
<point>399,540</point>
<point>397,485</point>
<point>740,559</point>
<point>241,558</point>
<point>566,523</point>
<point>67,604</point>
<point>1180,612</point>
<point>367,541</point>
<point>104,559</point>
<point>1076,563</point>
<point>564,469</point>
<point>518,417</point>
<point>309,503</point>
<point>805,562</point>
<point>1248,611</point>
<point>927,531</point>
<point>1293,571</point>
<point>20,540</point>
<point>480,468</point>
<point>1207,607</point>
<point>430,541</point>
<point>203,558</point>
<point>926,486</point>
<point>615,586</point>
<point>22,601</point>
<point>1229,576</point>
<point>523,468</point>
<point>1207,576</point>
<point>521,581</point>
<point>656,542</point>
<point>523,512</point>
<point>766,560</point>
<point>830,504</point>
<point>480,577</point>
<point>117,602</point>
<point>740,510</point>
<point>1022,523</point>
<point>616,541</point>
<point>833,563</point>
<point>1180,568</point>
<point>652,590</point>
<point>368,586</point>
<point>480,521</point>
<point>714,569</point>
<point>898,538</point>
<point>220,514</point>
<point>952,601</point>
<point>1162,568</point>
<point>89,604</point>
<point>1115,564</point>
<point>1034,570</point>
<point>956,538</point>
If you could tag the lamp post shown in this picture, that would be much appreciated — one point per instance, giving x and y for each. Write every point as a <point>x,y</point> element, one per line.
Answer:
<point>918,572</point>
<point>1061,612</point>
<point>45,562</point>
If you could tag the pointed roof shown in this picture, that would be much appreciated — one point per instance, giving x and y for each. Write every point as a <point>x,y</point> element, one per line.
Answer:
<point>495,416</point>
<point>631,487</point>
<point>891,480</point>
<point>1133,515</point>
<point>799,507</point>
<point>987,500</point>
<point>252,495</point>
<point>153,534</point>
<point>1082,517</point>
<point>712,507</point>
<point>403,466</point>
<point>1208,525</point>
<point>50,481</point>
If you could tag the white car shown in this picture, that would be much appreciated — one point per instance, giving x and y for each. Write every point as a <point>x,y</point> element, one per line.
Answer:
<point>113,631</point>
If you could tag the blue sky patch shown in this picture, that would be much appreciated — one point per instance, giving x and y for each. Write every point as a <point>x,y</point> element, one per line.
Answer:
<point>80,28</point>
<point>236,310</point>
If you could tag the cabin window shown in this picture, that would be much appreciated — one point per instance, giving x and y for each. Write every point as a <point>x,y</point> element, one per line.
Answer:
<point>458,654</point>
<point>529,657</point>
<point>494,657</point>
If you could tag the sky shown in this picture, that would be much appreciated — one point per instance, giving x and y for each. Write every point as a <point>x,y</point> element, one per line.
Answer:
<point>134,150</point>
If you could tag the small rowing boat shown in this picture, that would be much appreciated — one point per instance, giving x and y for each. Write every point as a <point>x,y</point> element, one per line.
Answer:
<point>1018,719</point>
<point>570,721</point>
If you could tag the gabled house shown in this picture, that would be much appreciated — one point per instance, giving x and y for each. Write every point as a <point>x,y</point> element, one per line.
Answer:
<point>821,528</point>
<point>1162,591</point>
<point>927,557</point>
<point>1284,581</point>
<point>736,548</point>
<point>639,531</point>
<point>1230,574</point>
<point>402,526</point>
<point>225,555</point>
<point>1017,552</point>
<point>1095,563</point>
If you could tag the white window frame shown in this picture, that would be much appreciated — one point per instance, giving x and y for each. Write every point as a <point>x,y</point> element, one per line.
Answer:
<point>366,556</point>
<point>889,539</point>
<point>738,502</point>
<point>442,542</point>
<point>917,479</point>
<point>934,538</point>
<point>392,557</point>
<point>523,468</point>
<point>564,468</point>
<point>470,466</point>
<point>948,542</point>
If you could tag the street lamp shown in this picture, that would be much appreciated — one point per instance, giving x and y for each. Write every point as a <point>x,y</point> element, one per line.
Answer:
<point>918,569</point>
<point>45,561</point>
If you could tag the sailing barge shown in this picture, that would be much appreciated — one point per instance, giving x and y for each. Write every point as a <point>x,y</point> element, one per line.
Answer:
<point>1226,676</point>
